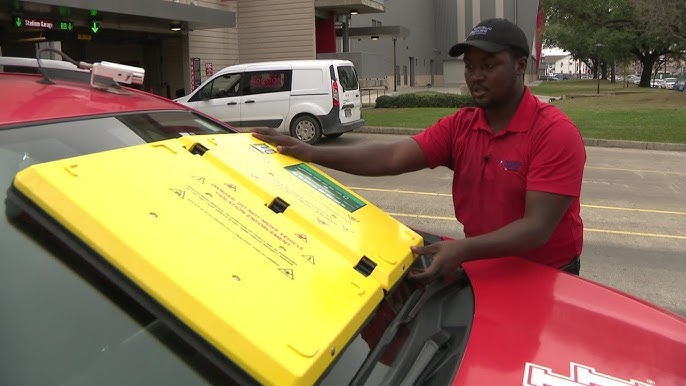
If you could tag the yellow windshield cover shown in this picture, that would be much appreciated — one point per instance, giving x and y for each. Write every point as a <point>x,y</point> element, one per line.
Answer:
<point>265,257</point>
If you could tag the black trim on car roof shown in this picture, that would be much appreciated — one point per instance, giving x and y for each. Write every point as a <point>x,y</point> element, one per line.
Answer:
<point>107,115</point>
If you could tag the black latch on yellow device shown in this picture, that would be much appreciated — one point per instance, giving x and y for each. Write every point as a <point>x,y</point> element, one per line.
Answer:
<point>198,149</point>
<point>365,266</point>
<point>278,205</point>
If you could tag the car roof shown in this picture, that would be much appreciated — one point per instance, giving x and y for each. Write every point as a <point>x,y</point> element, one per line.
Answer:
<point>32,100</point>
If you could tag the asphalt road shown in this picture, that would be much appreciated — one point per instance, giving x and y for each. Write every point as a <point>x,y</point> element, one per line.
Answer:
<point>633,207</point>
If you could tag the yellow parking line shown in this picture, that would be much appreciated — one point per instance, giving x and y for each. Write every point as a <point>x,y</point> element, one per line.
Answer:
<point>401,191</point>
<point>582,205</point>
<point>633,209</point>
<point>423,216</point>
<point>635,234</point>
<point>657,235</point>
<point>636,170</point>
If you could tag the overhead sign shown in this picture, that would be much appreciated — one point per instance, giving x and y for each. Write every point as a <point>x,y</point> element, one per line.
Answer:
<point>66,26</point>
<point>94,26</point>
<point>20,22</point>
<point>41,23</point>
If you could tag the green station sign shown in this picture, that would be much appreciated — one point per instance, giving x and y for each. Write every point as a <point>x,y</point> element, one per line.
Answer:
<point>43,23</point>
<point>66,26</point>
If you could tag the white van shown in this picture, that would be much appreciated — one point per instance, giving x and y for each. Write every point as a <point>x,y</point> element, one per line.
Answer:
<point>308,98</point>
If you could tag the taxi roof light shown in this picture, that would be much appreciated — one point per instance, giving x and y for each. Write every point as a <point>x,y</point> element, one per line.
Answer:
<point>115,72</point>
<point>119,73</point>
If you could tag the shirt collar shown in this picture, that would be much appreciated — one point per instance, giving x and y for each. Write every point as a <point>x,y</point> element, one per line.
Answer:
<point>523,118</point>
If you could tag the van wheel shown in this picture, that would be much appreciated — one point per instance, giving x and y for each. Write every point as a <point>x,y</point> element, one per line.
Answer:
<point>334,135</point>
<point>306,129</point>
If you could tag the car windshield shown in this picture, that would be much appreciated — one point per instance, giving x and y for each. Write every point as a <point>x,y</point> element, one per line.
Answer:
<point>66,323</point>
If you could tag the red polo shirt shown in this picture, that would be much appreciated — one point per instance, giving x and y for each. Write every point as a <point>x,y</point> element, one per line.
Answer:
<point>540,149</point>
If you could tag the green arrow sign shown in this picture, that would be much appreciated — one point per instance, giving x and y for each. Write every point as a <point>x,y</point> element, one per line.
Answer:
<point>17,21</point>
<point>95,26</point>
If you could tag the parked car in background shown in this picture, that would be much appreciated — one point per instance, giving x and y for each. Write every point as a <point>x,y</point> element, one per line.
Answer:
<point>138,249</point>
<point>669,83</point>
<point>679,85</point>
<point>657,83</point>
<point>307,98</point>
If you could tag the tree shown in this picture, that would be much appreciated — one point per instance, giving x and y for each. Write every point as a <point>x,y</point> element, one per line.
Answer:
<point>592,31</point>
<point>582,26</point>
<point>669,16</point>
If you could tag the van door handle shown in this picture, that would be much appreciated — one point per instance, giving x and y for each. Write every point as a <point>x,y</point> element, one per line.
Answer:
<point>250,101</point>
<point>232,103</point>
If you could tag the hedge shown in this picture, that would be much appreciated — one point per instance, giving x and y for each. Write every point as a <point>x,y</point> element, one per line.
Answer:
<point>428,100</point>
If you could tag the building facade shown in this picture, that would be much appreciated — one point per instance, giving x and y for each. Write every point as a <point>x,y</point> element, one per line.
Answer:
<point>180,43</point>
<point>421,58</point>
<point>563,67</point>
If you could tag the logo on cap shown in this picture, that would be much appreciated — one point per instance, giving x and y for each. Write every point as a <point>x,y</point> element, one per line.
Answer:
<point>480,30</point>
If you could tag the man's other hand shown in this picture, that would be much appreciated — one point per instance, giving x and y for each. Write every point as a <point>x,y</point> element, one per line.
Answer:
<point>447,258</point>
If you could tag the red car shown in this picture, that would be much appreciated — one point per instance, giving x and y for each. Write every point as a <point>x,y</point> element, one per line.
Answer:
<point>76,310</point>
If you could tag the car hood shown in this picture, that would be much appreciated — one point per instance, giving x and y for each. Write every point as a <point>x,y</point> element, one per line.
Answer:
<point>540,326</point>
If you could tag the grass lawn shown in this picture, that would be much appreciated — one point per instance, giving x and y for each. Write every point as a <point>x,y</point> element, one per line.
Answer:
<point>584,86</point>
<point>634,114</point>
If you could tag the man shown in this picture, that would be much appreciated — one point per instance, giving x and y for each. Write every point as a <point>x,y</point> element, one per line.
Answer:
<point>517,162</point>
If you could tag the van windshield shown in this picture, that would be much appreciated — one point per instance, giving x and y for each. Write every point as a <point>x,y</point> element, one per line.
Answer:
<point>348,78</point>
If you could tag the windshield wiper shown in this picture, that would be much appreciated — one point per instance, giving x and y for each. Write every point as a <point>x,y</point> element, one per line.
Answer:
<point>403,317</point>
<point>425,357</point>
<point>407,313</point>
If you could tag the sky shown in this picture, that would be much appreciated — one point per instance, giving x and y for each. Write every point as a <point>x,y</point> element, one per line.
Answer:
<point>554,51</point>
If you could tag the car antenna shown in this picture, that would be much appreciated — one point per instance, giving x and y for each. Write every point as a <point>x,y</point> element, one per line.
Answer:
<point>114,72</point>
<point>46,79</point>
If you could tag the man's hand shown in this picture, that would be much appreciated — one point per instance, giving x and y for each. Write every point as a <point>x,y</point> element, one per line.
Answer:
<point>285,144</point>
<point>447,257</point>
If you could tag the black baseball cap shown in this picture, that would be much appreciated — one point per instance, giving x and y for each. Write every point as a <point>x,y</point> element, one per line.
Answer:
<point>493,35</point>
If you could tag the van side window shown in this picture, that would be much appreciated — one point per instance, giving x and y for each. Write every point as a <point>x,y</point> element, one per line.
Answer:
<point>348,78</point>
<point>222,87</point>
<point>261,82</point>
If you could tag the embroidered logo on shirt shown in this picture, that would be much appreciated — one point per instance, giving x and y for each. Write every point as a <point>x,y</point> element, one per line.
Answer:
<point>511,165</point>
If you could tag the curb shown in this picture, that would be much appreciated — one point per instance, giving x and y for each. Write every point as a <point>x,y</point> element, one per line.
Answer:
<point>588,142</point>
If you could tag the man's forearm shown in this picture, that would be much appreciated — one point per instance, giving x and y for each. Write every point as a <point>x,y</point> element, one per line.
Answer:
<point>365,160</point>
<point>517,237</point>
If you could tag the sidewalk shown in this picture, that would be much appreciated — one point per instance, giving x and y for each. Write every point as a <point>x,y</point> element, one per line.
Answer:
<point>544,98</point>
<point>587,142</point>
